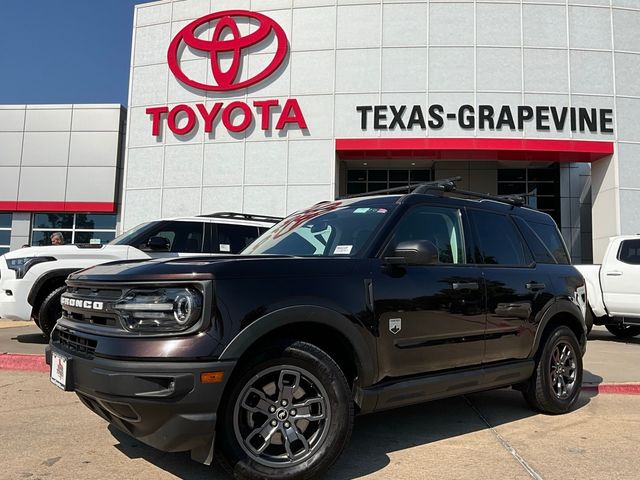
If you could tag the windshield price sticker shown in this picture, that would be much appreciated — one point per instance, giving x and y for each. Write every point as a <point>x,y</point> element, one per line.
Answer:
<point>343,250</point>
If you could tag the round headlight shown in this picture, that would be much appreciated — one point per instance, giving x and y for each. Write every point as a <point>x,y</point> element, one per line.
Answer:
<point>183,307</point>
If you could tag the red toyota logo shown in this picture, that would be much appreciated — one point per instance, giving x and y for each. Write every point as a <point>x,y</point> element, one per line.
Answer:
<point>236,45</point>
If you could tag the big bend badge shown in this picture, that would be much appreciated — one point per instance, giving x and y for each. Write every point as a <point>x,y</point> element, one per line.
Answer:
<point>395,325</point>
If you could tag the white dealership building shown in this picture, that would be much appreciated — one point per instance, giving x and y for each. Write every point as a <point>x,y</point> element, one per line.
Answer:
<point>269,106</point>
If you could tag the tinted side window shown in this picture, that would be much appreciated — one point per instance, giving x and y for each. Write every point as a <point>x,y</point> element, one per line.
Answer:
<point>183,237</point>
<point>440,226</point>
<point>630,252</point>
<point>499,240</point>
<point>541,254</point>
<point>235,238</point>
<point>551,238</point>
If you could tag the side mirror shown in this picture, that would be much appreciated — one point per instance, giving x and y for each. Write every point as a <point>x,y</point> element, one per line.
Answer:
<point>415,252</point>
<point>158,243</point>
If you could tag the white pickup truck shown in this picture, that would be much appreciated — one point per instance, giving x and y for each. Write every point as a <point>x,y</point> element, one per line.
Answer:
<point>613,288</point>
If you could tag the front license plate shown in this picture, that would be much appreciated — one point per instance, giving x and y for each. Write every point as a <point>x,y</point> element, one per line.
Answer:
<point>59,370</point>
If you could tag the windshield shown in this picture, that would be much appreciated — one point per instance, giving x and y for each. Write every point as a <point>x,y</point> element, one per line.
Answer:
<point>328,229</point>
<point>128,236</point>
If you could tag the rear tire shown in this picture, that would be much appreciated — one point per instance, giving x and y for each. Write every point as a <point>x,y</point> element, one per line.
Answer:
<point>556,382</point>
<point>50,311</point>
<point>288,414</point>
<point>624,331</point>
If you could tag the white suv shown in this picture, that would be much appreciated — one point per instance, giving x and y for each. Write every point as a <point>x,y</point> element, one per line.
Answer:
<point>33,279</point>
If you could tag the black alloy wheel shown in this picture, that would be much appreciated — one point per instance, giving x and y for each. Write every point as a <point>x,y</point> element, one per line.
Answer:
<point>282,416</point>
<point>563,370</point>
<point>624,331</point>
<point>556,382</point>
<point>288,415</point>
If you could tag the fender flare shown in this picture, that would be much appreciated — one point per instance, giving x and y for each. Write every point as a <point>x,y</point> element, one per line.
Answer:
<point>365,357</point>
<point>45,277</point>
<point>560,306</point>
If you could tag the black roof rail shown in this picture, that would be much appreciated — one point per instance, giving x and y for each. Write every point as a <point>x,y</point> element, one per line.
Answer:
<point>448,185</point>
<point>444,185</point>
<point>243,216</point>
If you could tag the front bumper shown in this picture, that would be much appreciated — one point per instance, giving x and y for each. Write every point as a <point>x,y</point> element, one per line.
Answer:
<point>13,299</point>
<point>162,404</point>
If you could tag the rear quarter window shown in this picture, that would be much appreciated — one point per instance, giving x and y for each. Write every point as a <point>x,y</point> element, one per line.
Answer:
<point>550,236</point>
<point>541,253</point>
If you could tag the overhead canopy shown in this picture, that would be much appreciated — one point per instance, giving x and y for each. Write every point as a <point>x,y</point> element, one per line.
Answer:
<point>541,150</point>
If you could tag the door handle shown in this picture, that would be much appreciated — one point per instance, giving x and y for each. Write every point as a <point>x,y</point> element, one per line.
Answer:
<point>534,286</point>
<point>465,286</point>
<point>614,273</point>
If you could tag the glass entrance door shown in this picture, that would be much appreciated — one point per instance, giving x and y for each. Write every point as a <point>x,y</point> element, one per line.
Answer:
<point>370,180</point>
<point>541,185</point>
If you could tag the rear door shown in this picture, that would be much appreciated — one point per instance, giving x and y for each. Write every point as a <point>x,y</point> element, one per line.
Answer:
<point>184,238</point>
<point>233,238</point>
<point>516,288</point>
<point>429,317</point>
<point>620,277</point>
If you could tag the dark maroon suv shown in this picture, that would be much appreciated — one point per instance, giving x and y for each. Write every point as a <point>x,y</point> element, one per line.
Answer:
<point>350,307</point>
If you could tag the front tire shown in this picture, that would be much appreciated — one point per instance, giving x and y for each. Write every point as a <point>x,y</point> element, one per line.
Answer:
<point>50,311</point>
<point>555,385</point>
<point>624,331</point>
<point>289,414</point>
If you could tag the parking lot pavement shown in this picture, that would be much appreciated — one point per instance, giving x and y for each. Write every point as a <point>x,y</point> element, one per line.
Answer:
<point>21,337</point>
<point>47,433</point>
<point>610,359</point>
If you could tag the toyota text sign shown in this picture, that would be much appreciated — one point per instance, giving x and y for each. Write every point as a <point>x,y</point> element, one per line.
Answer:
<point>219,38</point>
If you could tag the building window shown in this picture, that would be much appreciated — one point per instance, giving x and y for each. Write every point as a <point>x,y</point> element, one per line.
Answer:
<point>75,227</point>
<point>541,185</point>
<point>363,181</point>
<point>5,232</point>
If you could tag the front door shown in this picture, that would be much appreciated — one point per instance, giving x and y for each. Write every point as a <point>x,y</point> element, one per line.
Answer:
<point>620,277</point>
<point>430,317</point>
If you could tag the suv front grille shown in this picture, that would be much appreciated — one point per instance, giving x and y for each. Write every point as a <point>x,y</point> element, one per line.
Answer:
<point>105,320</point>
<point>75,344</point>
<point>95,293</point>
<point>87,316</point>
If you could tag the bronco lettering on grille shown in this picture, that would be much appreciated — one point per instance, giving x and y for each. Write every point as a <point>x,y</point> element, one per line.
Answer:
<point>86,304</point>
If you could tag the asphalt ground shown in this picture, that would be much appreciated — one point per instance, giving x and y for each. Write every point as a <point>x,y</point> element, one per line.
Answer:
<point>47,434</point>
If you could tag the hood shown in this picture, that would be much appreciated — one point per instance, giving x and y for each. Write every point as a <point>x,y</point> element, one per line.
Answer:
<point>61,252</point>
<point>218,266</point>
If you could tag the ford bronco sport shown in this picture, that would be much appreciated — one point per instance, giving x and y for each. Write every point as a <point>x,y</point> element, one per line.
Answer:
<point>350,307</point>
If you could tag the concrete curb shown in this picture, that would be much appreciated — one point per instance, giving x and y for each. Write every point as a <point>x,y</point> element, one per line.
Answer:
<point>613,388</point>
<point>36,363</point>
<point>24,362</point>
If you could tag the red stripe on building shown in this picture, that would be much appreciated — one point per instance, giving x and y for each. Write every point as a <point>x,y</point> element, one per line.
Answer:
<point>543,150</point>
<point>89,207</point>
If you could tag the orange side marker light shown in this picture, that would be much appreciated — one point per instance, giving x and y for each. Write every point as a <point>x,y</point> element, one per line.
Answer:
<point>211,377</point>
